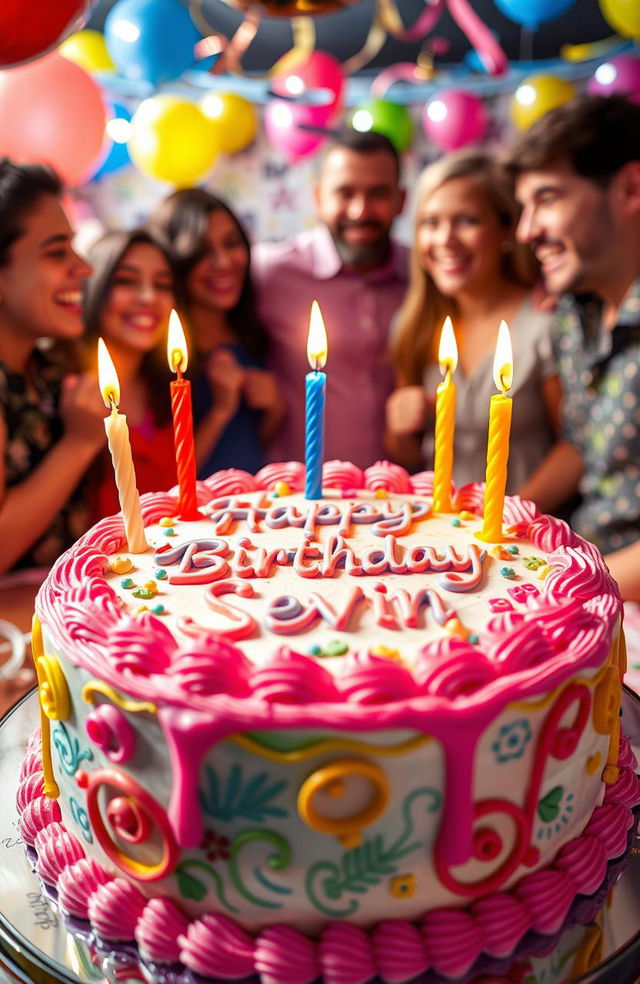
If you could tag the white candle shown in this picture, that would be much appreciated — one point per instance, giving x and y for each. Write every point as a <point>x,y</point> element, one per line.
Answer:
<point>117,432</point>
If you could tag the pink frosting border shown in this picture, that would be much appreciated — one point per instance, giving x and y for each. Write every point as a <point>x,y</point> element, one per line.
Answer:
<point>575,614</point>
<point>446,940</point>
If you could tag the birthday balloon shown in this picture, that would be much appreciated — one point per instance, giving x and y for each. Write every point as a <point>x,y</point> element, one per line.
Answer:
<point>532,13</point>
<point>285,124</point>
<point>151,40</point>
<point>29,28</point>
<point>454,118</point>
<point>536,95</point>
<point>53,112</point>
<point>385,117</point>
<point>300,74</point>
<point>619,75</point>
<point>118,132</point>
<point>234,118</point>
<point>88,49</point>
<point>623,16</point>
<point>172,140</point>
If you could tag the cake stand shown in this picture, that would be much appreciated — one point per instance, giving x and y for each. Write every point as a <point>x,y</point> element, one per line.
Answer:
<point>36,946</point>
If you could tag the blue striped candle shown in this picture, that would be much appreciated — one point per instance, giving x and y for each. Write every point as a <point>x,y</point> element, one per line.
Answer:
<point>315,384</point>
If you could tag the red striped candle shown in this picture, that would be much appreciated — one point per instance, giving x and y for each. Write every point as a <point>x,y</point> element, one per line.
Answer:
<point>182,421</point>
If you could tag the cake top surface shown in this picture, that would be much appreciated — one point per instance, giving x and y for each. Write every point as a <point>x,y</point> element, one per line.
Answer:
<point>364,600</point>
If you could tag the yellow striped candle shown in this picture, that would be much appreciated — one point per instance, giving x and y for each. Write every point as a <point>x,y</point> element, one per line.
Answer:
<point>445,420</point>
<point>498,441</point>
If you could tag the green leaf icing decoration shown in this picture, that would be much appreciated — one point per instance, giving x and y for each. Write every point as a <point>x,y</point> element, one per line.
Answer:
<point>549,805</point>
<point>280,859</point>
<point>68,749</point>
<point>367,865</point>
<point>191,887</point>
<point>251,801</point>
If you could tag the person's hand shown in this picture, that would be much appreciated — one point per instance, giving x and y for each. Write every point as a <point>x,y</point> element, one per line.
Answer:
<point>82,409</point>
<point>261,390</point>
<point>407,410</point>
<point>226,378</point>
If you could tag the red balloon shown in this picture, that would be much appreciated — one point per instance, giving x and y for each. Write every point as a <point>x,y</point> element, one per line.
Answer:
<point>52,111</point>
<point>29,28</point>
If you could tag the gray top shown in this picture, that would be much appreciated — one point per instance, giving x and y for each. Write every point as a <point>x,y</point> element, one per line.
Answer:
<point>531,430</point>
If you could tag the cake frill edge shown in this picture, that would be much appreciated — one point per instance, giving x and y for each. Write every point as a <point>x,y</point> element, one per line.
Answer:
<point>448,941</point>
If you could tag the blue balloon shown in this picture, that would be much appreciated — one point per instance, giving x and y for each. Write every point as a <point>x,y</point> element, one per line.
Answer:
<point>118,154</point>
<point>532,13</point>
<point>151,40</point>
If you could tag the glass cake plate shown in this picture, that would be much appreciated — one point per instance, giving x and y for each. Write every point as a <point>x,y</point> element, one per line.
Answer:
<point>36,946</point>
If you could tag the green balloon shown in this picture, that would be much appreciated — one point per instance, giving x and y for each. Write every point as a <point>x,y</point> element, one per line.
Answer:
<point>389,118</point>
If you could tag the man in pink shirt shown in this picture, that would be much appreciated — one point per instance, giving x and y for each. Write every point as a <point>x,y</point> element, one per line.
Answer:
<point>349,264</point>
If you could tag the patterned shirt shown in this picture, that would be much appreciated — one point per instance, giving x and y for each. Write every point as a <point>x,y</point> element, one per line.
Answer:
<point>600,373</point>
<point>33,426</point>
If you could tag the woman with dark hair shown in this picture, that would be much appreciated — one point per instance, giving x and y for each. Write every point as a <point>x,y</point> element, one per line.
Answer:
<point>128,301</point>
<point>51,422</point>
<point>237,405</point>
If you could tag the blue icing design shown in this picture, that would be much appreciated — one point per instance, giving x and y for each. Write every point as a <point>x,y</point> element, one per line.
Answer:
<point>80,817</point>
<point>512,740</point>
<point>68,749</point>
<point>252,800</point>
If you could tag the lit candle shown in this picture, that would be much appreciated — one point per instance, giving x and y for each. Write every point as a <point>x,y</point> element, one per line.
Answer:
<point>315,383</point>
<point>445,420</point>
<point>498,441</point>
<point>118,440</point>
<point>182,421</point>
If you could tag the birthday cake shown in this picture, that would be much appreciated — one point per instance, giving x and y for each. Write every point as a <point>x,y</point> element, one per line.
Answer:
<point>341,739</point>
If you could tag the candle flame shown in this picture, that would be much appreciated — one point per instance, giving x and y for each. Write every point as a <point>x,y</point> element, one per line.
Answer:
<point>503,361</point>
<point>448,350</point>
<point>316,339</point>
<point>176,345</point>
<point>107,377</point>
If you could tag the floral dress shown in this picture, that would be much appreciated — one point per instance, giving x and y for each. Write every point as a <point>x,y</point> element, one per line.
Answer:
<point>33,426</point>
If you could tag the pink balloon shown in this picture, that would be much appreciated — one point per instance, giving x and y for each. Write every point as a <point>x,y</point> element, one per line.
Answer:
<point>52,111</point>
<point>303,77</point>
<point>281,123</point>
<point>454,118</point>
<point>619,75</point>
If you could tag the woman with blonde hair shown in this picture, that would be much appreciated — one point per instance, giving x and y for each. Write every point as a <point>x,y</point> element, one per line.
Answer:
<point>466,263</point>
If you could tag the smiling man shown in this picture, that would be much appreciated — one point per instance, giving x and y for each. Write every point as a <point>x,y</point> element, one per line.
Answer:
<point>577,175</point>
<point>350,265</point>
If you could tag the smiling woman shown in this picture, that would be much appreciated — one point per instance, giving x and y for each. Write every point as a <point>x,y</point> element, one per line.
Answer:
<point>128,301</point>
<point>237,405</point>
<point>50,422</point>
<point>466,264</point>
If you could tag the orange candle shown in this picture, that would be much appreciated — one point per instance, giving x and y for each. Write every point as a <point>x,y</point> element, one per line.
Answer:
<point>182,421</point>
<point>118,440</point>
<point>445,420</point>
<point>498,441</point>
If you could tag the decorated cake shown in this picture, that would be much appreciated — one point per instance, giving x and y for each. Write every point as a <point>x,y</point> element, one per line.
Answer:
<point>342,739</point>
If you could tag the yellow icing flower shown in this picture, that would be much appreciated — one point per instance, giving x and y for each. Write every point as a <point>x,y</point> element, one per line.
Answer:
<point>403,886</point>
<point>120,565</point>
<point>387,653</point>
<point>282,488</point>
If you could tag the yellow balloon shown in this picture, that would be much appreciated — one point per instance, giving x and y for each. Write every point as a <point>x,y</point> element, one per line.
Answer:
<point>536,95</point>
<point>235,120</point>
<point>623,16</point>
<point>88,50</point>
<point>172,140</point>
